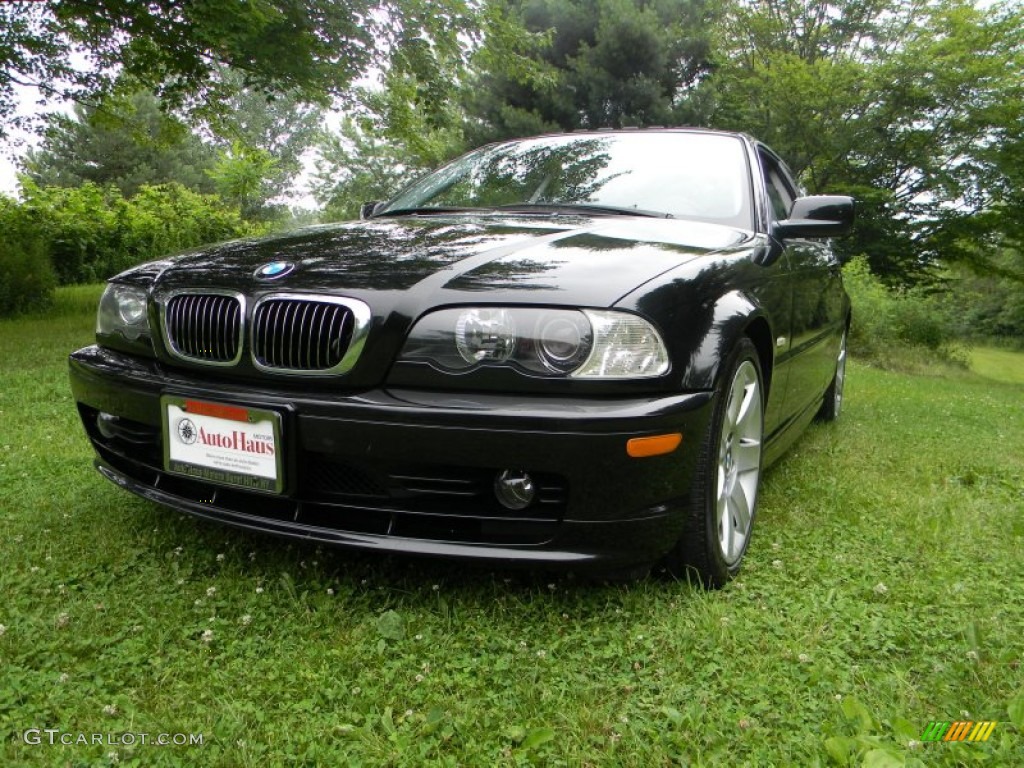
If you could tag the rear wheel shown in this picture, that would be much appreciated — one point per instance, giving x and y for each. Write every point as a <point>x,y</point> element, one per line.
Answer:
<point>723,496</point>
<point>832,405</point>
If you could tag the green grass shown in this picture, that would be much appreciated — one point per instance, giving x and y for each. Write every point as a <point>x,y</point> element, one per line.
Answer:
<point>882,591</point>
<point>999,364</point>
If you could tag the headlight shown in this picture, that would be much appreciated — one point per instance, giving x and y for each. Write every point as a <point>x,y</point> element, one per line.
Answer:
<point>122,311</point>
<point>625,347</point>
<point>549,342</point>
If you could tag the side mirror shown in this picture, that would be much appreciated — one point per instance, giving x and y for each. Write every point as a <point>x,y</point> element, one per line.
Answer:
<point>817,216</point>
<point>366,210</point>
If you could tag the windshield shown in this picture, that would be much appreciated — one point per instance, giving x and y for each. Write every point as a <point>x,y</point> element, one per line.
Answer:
<point>679,174</point>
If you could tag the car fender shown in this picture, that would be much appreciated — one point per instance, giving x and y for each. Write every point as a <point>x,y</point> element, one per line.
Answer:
<point>734,315</point>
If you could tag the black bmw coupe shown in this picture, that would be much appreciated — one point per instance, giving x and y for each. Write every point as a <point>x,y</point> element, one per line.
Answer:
<point>575,351</point>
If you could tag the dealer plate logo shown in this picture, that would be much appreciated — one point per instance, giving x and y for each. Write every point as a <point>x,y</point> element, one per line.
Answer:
<point>187,431</point>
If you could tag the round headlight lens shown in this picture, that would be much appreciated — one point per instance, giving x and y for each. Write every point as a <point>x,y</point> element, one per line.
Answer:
<point>122,311</point>
<point>131,306</point>
<point>564,341</point>
<point>485,335</point>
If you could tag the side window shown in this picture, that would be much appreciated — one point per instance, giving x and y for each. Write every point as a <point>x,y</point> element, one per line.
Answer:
<point>781,191</point>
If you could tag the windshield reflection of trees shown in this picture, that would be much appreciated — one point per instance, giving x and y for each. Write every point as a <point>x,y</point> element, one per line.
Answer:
<point>563,173</point>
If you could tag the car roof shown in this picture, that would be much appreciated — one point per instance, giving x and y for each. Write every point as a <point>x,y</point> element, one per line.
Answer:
<point>629,130</point>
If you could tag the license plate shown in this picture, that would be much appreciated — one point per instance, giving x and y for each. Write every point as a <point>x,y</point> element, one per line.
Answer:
<point>222,443</point>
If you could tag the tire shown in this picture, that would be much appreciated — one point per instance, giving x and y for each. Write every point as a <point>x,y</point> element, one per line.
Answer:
<point>723,495</point>
<point>832,404</point>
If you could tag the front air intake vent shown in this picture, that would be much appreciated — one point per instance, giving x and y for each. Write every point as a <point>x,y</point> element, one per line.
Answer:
<point>204,327</point>
<point>308,334</point>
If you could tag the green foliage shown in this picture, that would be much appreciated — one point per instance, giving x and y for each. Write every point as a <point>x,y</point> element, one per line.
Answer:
<point>354,167</point>
<point>310,48</point>
<point>90,233</point>
<point>883,573</point>
<point>913,108</point>
<point>989,302</point>
<point>283,125</point>
<point>129,142</point>
<point>162,220</point>
<point>243,176</point>
<point>596,63</point>
<point>899,328</point>
<point>79,228</point>
<point>126,142</point>
<point>26,276</point>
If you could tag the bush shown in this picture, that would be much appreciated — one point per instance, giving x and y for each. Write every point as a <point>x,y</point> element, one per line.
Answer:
<point>26,276</point>
<point>893,326</point>
<point>169,218</point>
<point>91,233</point>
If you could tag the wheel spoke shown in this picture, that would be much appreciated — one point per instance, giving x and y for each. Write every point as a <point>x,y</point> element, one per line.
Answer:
<point>725,532</point>
<point>732,413</point>
<point>747,454</point>
<point>747,481</point>
<point>741,509</point>
<point>746,403</point>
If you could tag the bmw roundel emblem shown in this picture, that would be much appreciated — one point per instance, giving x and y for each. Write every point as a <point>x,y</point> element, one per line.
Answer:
<point>274,270</point>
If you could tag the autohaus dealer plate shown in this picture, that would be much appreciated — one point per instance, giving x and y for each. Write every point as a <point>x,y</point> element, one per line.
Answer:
<point>222,443</point>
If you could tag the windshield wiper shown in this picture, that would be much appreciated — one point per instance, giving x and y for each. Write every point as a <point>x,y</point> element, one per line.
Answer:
<point>584,208</point>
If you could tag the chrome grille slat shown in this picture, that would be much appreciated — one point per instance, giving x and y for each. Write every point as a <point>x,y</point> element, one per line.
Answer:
<point>293,361</point>
<point>190,317</point>
<point>204,327</point>
<point>222,319</point>
<point>324,335</point>
<point>322,325</point>
<point>184,335</point>
<point>308,354</point>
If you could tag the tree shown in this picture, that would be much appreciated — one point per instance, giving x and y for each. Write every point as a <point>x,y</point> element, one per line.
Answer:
<point>281,125</point>
<point>244,176</point>
<point>126,142</point>
<point>598,63</point>
<point>354,167</point>
<point>416,120</point>
<point>914,108</point>
<point>990,304</point>
<point>313,48</point>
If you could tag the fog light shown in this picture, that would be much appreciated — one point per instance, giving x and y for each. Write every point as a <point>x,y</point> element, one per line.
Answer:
<point>514,489</point>
<point>105,425</point>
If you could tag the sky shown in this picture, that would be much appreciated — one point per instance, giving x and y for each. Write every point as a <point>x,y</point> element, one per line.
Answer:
<point>20,141</point>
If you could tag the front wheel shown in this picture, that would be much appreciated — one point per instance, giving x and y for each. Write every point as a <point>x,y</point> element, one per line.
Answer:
<point>723,496</point>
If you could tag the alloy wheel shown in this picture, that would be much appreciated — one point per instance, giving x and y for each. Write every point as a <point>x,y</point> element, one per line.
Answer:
<point>739,462</point>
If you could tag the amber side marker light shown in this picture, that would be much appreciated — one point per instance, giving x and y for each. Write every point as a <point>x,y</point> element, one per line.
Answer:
<point>639,447</point>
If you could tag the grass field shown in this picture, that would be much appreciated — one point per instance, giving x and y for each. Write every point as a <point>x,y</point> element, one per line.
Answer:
<point>999,364</point>
<point>882,591</point>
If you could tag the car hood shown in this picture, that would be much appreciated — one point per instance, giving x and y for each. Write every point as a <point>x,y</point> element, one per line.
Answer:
<point>423,261</point>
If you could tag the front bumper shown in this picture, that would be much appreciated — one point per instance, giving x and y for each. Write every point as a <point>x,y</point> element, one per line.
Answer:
<point>413,471</point>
